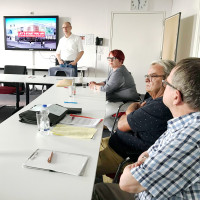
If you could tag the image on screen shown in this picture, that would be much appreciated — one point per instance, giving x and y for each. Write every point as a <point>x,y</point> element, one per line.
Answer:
<point>31,33</point>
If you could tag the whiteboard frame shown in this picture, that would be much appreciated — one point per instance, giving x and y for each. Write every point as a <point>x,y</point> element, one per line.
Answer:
<point>171,27</point>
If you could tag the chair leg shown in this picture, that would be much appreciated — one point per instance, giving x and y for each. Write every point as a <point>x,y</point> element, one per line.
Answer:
<point>116,117</point>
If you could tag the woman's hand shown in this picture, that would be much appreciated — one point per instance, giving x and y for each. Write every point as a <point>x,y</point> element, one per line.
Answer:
<point>92,85</point>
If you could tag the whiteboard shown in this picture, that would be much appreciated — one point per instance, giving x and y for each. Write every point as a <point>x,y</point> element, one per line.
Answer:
<point>139,36</point>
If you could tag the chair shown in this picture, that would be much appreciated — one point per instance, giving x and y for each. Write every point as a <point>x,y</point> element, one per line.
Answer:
<point>60,73</point>
<point>10,88</point>
<point>14,88</point>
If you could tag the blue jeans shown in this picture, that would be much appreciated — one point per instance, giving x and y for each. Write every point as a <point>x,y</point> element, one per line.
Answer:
<point>70,66</point>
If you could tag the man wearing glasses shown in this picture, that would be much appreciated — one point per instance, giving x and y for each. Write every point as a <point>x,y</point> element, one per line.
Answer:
<point>142,124</point>
<point>170,168</point>
<point>69,51</point>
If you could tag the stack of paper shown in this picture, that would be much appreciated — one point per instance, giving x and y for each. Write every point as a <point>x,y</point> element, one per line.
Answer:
<point>73,131</point>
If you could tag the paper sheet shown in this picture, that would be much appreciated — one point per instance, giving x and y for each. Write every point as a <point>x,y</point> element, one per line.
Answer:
<point>74,131</point>
<point>62,162</point>
<point>80,121</point>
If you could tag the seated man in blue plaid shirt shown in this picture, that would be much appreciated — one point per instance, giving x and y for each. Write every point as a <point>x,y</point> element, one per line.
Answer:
<point>170,168</point>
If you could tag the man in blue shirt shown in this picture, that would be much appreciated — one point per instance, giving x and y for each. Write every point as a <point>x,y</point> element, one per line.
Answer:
<point>170,168</point>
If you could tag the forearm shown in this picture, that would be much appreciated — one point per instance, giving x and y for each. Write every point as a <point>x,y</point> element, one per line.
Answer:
<point>123,124</point>
<point>128,183</point>
<point>80,54</point>
<point>60,61</point>
<point>132,107</point>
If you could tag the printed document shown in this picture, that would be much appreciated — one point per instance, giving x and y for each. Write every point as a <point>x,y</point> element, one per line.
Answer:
<point>78,120</point>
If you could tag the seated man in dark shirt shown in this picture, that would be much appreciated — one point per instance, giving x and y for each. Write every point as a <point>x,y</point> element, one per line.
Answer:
<point>142,124</point>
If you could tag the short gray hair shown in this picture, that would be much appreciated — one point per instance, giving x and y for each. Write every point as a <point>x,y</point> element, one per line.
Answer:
<point>186,79</point>
<point>167,65</point>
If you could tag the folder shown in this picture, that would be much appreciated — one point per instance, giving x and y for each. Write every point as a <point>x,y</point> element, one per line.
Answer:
<point>62,162</point>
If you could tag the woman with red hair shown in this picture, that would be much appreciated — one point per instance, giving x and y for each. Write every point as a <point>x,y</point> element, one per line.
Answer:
<point>119,86</point>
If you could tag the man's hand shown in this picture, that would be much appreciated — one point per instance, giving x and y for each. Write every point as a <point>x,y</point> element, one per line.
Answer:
<point>134,106</point>
<point>60,62</point>
<point>73,63</point>
<point>127,181</point>
<point>141,158</point>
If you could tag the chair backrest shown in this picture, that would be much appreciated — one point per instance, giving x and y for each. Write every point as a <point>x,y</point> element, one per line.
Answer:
<point>67,71</point>
<point>60,73</point>
<point>15,69</point>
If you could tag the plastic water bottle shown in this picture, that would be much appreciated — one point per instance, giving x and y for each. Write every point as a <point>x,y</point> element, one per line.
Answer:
<point>74,87</point>
<point>44,121</point>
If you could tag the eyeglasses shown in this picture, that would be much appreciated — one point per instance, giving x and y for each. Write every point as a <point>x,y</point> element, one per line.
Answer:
<point>164,82</point>
<point>111,58</point>
<point>150,77</point>
<point>66,27</point>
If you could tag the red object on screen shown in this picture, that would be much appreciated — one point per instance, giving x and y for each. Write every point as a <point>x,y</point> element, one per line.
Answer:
<point>31,34</point>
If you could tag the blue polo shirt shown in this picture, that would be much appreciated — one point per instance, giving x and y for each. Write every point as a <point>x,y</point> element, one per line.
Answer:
<point>147,124</point>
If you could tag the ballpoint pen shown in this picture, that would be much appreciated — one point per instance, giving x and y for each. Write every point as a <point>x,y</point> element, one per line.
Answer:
<point>50,157</point>
<point>74,102</point>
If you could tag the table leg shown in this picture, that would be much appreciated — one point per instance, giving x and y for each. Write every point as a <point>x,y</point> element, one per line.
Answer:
<point>27,93</point>
<point>17,95</point>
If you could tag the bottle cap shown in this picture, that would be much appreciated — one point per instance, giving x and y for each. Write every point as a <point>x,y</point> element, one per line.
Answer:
<point>44,106</point>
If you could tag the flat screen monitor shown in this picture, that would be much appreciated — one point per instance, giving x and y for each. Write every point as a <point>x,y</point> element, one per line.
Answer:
<point>38,33</point>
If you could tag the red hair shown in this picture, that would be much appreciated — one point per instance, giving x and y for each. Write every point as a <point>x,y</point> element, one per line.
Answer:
<point>118,54</point>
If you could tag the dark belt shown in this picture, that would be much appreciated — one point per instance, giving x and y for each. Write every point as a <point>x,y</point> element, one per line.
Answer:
<point>68,61</point>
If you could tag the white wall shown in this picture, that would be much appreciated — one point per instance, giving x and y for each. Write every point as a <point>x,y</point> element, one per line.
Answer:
<point>189,26</point>
<point>87,17</point>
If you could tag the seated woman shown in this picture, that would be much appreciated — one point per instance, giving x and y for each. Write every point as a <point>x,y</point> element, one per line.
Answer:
<point>119,86</point>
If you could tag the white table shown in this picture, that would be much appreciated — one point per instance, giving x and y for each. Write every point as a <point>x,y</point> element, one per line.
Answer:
<point>18,141</point>
<point>34,69</point>
<point>38,80</point>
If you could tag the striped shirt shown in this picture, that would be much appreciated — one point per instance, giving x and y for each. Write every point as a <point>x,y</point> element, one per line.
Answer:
<point>172,170</point>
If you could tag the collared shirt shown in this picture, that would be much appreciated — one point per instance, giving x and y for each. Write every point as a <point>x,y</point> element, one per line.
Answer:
<point>68,48</point>
<point>172,170</point>
<point>147,124</point>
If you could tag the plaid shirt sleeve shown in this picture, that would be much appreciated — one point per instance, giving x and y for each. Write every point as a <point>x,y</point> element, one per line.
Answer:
<point>173,167</point>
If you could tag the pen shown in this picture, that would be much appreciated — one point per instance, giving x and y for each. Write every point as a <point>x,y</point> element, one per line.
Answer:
<point>74,102</point>
<point>50,157</point>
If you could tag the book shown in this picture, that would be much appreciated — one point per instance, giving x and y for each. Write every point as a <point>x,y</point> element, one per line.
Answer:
<point>57,161</point>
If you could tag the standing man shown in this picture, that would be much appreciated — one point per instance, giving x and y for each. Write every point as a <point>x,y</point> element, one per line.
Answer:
<point>69,51</point>
<point>170,168</point>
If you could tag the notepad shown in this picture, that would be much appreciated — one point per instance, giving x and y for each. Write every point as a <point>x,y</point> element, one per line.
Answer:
<point>73,131</point>
<point>62,162</point>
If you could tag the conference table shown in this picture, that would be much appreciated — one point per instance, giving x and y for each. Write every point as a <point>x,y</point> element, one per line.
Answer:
<point>38,80</point>
<point>34,69</point>
<point>19,140</point>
